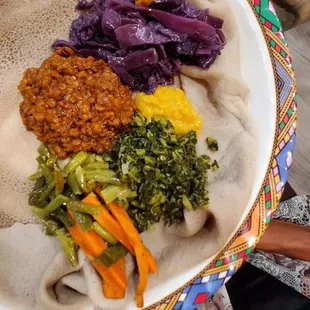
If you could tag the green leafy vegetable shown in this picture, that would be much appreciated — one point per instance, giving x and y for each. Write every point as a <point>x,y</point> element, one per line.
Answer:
<point>212,144</point>
<point>162,168</point>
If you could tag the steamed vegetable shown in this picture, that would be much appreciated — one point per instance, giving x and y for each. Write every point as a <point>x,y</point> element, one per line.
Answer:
<point>103,233</point>
<point>112,292</point>
<point>140,252</point>
<point>68,246</point>
<point>146,46</point>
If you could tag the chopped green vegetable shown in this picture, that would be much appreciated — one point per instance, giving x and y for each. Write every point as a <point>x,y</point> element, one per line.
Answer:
<point>35,176</point>
<point>74,184</point>
<point>121,192</point>
<point>212,144</point>
<point>59,181</point>
<point>96,166</point>
<point>112,255</point>
<point>52,206</point>
<point>83,207</point>
<point>48,191</point>
<point>163,169</point>
<point>44,151</point>
<point>46,171</point>
<point>84,220</point>
<point>63,217</point>
<point>75,162</point>
<point>215,166</point>
<point>186,202</point>
<point>79,173</point>
<point>103,233</point>
<point>101,176</point>
<point>37,192</point>
<point>68,246</point>
<point>51,161</point>
<point>51,227</point>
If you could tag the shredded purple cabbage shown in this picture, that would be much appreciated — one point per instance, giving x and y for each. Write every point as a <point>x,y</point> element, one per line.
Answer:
<point>146,46</point>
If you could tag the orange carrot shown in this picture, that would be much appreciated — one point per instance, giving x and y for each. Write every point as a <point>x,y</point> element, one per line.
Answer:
<point>91,239</point>
<point>92,245</point>
<point>151,261</point>
<point>143,273</point>
<point>140,251</point>
<point>106,220</point>
<point>108,276</point>
<point>114,292</point>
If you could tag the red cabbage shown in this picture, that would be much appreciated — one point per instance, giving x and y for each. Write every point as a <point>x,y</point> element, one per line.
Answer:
<point>146,46</point>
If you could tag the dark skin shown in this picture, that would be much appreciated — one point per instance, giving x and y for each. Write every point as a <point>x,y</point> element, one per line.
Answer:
<point>289,239</point>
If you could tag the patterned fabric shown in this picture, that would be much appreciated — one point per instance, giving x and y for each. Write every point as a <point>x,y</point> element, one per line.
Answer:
<point>294,273</point>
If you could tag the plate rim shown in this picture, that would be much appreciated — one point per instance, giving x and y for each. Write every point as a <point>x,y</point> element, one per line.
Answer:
<point>230,258</point>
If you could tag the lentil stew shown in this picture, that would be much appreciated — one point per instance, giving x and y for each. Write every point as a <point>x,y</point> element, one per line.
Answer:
<point>75,104</point>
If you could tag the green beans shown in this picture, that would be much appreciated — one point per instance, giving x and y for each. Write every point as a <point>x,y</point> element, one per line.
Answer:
<point>47,191</point>
<point>51,226</point>
<point>35,176</point>
<point>101,176</point>
<point>51,161</point>
<point>75,162</point>
<point>84,220</point>
<point>79,173</point>
<point>59,181</point>
<point>121,192</point>
<point>63,217</point>
<point>96,166</point>
<point>46,171</point>
<point>83,207</point>
<point>104,234</point>
<point>58,201</point>
<point>112,255</point>
<point>74,184</point>
<point>68,246</point>
<point>44,151</point>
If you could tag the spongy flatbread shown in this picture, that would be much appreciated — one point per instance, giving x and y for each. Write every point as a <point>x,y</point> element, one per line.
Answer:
<point>27,30</point>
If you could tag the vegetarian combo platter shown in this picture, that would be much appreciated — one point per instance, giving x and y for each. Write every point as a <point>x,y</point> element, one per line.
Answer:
<point>146,149</point>
<point>130,165</point>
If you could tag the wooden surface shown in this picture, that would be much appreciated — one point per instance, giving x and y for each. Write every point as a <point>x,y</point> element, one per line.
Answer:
<point>299,44</point>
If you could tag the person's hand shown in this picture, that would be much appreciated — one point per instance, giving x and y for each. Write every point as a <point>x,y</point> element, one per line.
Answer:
<point>288,239</point>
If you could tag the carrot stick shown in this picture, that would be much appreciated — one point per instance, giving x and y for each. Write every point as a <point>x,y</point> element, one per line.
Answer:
<point>92,245</point>
<point>140,251</point>
<point>151,261</point>
<point>110,291</point>
<point>143,272</point>
<point>106,220</point>
<point>91,239</point>
<point>77,234</point>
